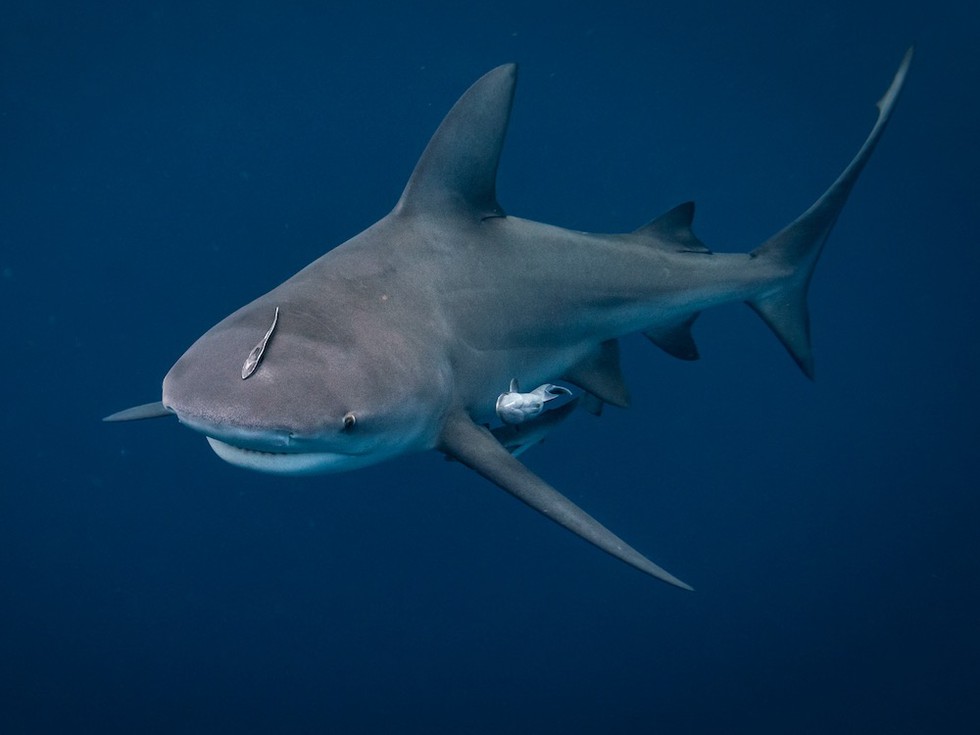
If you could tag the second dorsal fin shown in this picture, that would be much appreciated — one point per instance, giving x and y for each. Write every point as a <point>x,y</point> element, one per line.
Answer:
<point>673,230</point>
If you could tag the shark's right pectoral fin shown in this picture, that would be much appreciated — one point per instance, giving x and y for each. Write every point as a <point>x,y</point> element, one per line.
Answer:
<point>477,448</point>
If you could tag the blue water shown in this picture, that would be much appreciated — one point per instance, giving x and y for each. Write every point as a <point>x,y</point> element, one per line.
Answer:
<point>163,163</point>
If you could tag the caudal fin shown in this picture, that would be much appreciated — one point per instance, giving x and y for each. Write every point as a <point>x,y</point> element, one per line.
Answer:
<point>798,246</point>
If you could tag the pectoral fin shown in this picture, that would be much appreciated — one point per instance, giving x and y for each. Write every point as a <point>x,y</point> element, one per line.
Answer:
<point>477,448</point>
<point>145,411</point>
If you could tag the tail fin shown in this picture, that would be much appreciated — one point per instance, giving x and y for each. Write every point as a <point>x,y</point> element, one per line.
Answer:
<point>799,245</point>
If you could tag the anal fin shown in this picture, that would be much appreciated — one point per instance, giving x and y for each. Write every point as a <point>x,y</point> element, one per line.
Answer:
<point>476,447</point>
<point>676,339</point>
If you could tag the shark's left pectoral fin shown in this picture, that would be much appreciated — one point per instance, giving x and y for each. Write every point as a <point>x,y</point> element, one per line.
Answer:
<point>477,448</point>
<point>145,411</point>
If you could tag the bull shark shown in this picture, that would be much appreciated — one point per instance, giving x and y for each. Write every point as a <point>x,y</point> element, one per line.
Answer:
<point>419,332</point>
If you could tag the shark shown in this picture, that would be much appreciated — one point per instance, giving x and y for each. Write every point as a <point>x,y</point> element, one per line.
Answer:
<point>418,333</point>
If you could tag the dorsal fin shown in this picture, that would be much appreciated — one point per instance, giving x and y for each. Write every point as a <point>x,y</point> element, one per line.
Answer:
<point>600,375</point>
<point>673,229</point>
<point>458,169</point>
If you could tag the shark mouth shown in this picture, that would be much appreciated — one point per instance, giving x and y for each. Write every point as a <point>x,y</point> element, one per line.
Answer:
<point>281,463</point>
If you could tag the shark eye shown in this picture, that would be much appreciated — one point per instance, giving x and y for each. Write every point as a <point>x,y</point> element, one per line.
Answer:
<point>349,421</point>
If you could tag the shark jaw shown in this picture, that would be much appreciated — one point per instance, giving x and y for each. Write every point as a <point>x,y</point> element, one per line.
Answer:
<point>285,463</point>
<point>276,452</point>
<point>291,451</point>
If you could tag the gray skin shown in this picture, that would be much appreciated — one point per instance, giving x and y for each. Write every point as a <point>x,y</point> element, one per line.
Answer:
<point>401,339</point>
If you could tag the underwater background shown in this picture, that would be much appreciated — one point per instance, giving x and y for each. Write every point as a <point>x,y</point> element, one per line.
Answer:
<point>163,163</point>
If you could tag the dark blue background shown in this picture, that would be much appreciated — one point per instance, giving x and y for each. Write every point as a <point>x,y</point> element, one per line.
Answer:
<point>163,163</point>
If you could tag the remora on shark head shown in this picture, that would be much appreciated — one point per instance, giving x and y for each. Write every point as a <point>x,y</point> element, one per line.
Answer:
<point>406,337</point>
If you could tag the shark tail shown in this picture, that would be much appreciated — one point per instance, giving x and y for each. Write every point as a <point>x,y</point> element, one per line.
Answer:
<point>794,251</point>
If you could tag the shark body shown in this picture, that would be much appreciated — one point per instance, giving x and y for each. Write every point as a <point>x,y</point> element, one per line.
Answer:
<point>403,338</point>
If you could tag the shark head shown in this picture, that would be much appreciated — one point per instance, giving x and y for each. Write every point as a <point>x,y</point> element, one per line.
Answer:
<point>308,394</point>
